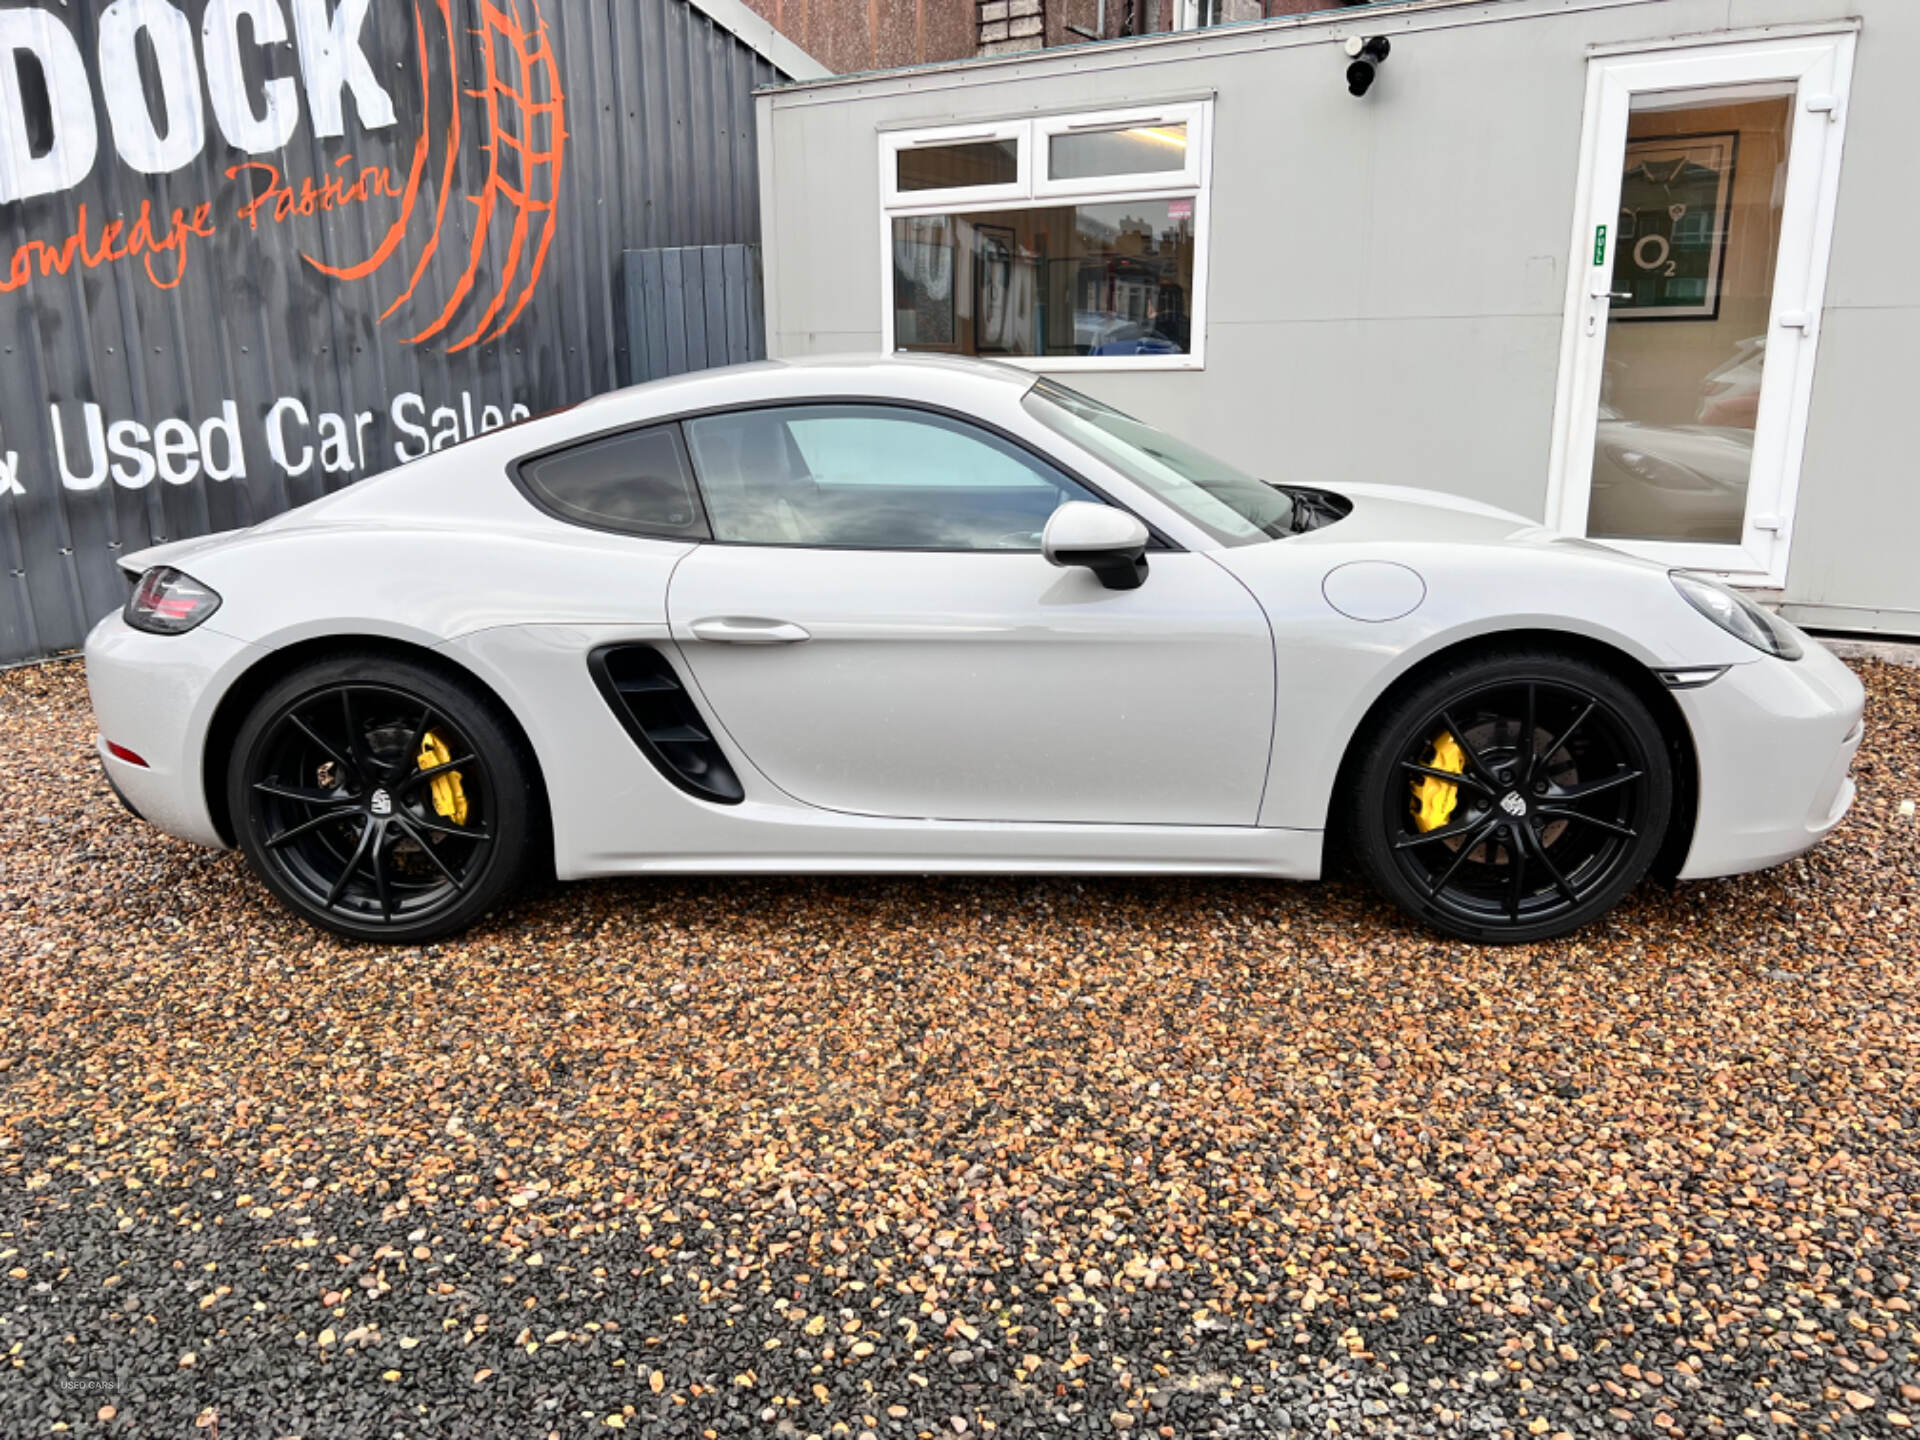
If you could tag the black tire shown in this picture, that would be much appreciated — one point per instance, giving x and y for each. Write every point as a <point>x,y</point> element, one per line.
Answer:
<point>1549,825</point>
<point>342,818</point>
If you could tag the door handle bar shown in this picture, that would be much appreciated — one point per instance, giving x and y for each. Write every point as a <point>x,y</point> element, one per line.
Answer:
<point>747,630</point>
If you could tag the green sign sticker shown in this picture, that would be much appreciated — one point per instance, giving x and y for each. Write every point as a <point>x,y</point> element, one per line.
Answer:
<point>1600,245</point>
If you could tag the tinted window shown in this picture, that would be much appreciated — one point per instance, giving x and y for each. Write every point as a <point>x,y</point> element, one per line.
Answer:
<point>972,162</point>
<point>872,477</point>
<point>638,481</point>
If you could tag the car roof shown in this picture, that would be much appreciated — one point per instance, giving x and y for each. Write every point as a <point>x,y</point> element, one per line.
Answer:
<point>442,483</point>
<point>955,381</point>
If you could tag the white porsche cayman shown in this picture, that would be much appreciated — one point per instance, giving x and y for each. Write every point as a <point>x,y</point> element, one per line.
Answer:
<point>933,615</point>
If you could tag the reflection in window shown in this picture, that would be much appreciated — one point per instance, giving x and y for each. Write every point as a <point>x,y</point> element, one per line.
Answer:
<point>1136,150</point>
<point>637,482</point>
<point>871,477</point>
<point>945,167</point>
<point>1698,244</point>
<point>1226,503</point>
<point>1106,278</point>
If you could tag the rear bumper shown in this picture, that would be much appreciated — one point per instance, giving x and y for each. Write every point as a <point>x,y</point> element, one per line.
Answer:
<point>100,748</point>
<point>155,695</point>
<point>1775,741</point>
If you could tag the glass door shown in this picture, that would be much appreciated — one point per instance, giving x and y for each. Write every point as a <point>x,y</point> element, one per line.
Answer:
<point>1707,194</point>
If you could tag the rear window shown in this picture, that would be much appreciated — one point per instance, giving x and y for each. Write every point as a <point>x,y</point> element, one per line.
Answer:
<point>638,482</point>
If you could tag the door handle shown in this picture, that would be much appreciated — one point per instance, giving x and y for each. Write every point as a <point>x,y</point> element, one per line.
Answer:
<point>1595,295</point>
<point>747,630</point>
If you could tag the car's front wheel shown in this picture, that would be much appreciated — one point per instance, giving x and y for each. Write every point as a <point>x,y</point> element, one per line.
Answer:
<point>381,799</point>
<point>1511,797</point>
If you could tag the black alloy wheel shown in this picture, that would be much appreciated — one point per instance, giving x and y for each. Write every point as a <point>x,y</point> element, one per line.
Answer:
<point>380,799</point>
<point>1512,798</point>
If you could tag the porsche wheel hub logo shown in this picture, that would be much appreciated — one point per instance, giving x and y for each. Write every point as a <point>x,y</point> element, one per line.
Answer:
<point>1514,804</point>
<point>381,803</point>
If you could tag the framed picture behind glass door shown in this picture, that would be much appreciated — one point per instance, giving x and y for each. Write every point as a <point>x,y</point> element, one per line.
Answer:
<point>1675,220</point>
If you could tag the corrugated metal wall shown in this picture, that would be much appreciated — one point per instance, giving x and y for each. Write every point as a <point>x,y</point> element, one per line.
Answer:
<point>333,235</point>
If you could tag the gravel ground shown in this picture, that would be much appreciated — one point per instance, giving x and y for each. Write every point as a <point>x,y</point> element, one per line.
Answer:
<point>912,1157</point>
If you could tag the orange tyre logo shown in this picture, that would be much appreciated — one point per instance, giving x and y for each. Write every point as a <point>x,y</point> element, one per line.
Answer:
<point>521,147</point>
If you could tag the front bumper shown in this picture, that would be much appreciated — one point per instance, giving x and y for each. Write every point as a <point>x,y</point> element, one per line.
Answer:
<point>155,695</point>
<point>1775,741</point>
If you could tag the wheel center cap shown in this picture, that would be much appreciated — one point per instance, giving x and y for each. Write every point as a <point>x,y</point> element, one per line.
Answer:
<point>380,803</point>
<point>1514,803</point>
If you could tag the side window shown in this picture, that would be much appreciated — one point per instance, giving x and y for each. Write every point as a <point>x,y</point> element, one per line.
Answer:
<point>873,477</point>
<point>638,481</point>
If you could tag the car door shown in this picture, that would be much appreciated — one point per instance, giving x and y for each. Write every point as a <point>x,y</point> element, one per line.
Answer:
<point>875,627</point>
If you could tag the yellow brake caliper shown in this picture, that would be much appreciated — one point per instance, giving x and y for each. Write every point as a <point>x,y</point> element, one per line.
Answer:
<point>1433,798</point>
<point>449,795</point>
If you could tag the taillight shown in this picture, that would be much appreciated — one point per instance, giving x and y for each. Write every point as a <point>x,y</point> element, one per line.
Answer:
<point>166,602</point>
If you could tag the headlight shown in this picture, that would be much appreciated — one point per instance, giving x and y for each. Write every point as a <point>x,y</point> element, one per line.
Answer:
<point>1738,616</point>
<point>166,602</point>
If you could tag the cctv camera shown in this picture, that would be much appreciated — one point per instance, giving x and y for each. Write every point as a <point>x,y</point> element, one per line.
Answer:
<point>1368,55</point>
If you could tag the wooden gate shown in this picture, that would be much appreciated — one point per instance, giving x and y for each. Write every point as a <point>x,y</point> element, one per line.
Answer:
<point>692,307</point>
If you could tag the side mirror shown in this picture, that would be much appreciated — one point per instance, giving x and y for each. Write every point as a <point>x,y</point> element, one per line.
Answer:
<point>1109,542</point>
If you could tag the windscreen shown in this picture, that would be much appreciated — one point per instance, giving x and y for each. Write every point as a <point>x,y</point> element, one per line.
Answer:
<point>1233,507</point>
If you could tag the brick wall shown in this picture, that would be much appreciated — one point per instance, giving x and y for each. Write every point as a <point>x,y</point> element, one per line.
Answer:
<point>853,35</point>
<point>1073,22</point>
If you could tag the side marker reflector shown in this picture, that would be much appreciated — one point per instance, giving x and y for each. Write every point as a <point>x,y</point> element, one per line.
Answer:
<point>120,752</point>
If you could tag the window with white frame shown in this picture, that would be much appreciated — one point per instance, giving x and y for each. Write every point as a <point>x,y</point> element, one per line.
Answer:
<point>1065,242</point>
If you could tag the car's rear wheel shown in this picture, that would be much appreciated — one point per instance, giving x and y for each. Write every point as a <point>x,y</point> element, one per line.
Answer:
<point>381,799</point>
<point>1511,797</point>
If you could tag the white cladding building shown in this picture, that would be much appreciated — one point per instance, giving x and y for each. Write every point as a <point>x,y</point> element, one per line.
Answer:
<point>1640,268</point>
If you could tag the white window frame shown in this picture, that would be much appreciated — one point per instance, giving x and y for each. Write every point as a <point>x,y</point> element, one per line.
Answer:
<point>1188,177</point>
<point>1034,190</point>
<point>894,142</point>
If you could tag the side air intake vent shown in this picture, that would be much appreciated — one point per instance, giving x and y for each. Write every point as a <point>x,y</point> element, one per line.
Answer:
<point>644,692</point>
